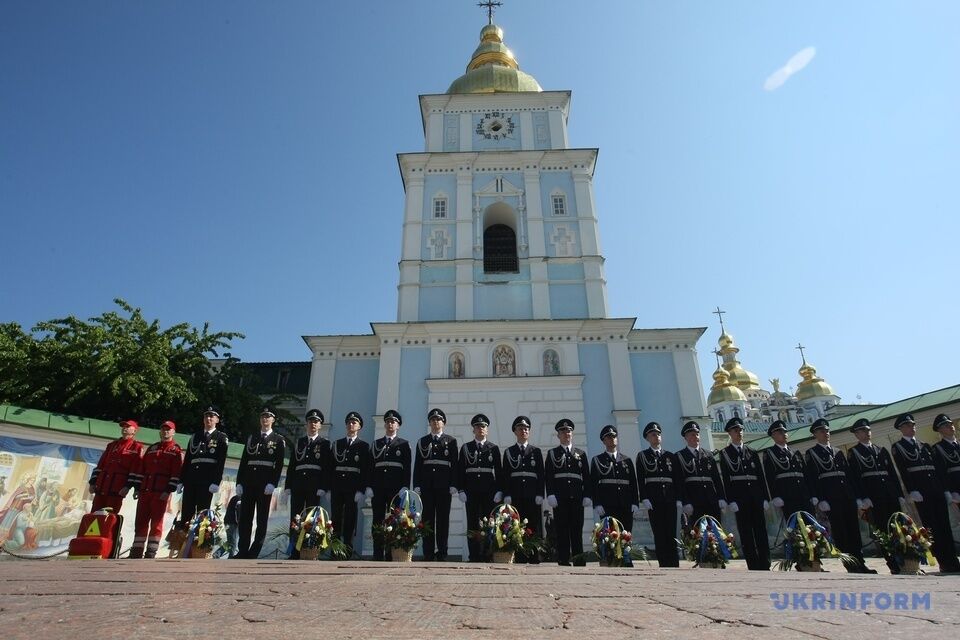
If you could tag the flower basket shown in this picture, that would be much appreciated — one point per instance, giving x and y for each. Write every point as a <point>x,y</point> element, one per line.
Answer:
<point>175,539</point>
<point>908,544</point>
<point>504,533</point>
<point>806,544</point>
<point>611,543</point>
<point>503,557</point>
<point>402,528</point>
<point>204,535</point>
<point>311,532</point>
<point>707,544</point>
<point>401,555</point>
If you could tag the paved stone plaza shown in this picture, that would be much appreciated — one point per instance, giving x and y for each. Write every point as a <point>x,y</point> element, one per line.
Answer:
<point>90,600</point>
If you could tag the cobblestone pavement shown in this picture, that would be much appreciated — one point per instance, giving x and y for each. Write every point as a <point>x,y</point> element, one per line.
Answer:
<point>94,600</point>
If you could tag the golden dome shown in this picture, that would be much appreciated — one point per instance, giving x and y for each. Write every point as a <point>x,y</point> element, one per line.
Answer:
<point>811,386</point>
<point>493,68</point>
<point>739,376</point>
<point>726,341</point>
<point>723,390</point>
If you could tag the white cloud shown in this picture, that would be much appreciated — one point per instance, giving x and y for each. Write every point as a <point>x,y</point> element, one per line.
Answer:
<point>797,62</point>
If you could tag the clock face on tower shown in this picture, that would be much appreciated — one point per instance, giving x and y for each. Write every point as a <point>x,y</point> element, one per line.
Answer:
<point>495,126</point>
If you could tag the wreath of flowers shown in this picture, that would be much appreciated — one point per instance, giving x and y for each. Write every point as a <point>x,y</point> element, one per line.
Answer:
<point>205,532</point>
<point>311,529</point>
<point>402,528</point>
<point>611,543</point>
<point>904,540</point>
<point>807,542</point>
<point>707,544</point>
<point>505,530</point>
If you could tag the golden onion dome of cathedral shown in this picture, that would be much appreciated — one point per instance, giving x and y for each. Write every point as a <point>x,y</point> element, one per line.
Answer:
<point>812,386</point>
<point>723,390</point>
<point>493,68</point>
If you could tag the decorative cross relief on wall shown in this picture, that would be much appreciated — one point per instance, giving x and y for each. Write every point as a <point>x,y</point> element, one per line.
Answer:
<point>439,241</point>
<point>504,362</point>
<point>563,241</point>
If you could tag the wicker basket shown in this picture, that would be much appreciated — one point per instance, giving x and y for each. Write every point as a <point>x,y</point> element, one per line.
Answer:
<point>401,555</point>
<point>201,553</point>
<point>814,566</point>
<point>710,565</point>
<point>503,557</point>
<point>910,567</point>
<point>175,540</point>
<point>309,554</point>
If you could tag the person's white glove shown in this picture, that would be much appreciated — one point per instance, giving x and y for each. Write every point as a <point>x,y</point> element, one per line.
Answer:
<point>824,506</point>
<point>268,490</point>
<point>903,503</point>
<point>949,497</point>
<point>734,507</point>
<point>814,501</point>
<point>867,503</point>
<point>766,505</point>
<point>239,490</point>
<point>286,493</point>
<point>164,495</point>
<point>955,497</point>
<point>538,500</point>
<point>368,493</point>
<point>688,509</point>
<point>416,490</point>
<point>587,502</point>
<point>498,497</point>
<point>646,505</point>
<point>778,503</point>
<point>321,493</point>
<point>598,511</point>
<point>916,496</point>
<point>358,497</point>
<point>552,501</point>
<point>723,505</point>
<point>508,500</point>
<point>634,509</point>
<point>180,488</point>
<point>453,491</point>
<point>462,496</point>
<point>213,488</point>
<point>860,506</point>
<point>679,505</point>
<point>124,492</point>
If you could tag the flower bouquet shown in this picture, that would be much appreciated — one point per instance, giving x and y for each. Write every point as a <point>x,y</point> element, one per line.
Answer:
<point>505,534</point>
<point>402,528</point>
<point>806,544</point>
<point>611,543</point>
<point>905,542</point>
<point>204,535</point>
<point>311,532</point>
<point>707,544</point>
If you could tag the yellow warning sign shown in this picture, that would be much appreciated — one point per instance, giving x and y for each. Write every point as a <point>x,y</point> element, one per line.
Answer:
<point>93,529</point>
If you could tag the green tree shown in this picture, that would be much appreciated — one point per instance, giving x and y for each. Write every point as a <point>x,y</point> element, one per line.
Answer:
<point>121,365</point>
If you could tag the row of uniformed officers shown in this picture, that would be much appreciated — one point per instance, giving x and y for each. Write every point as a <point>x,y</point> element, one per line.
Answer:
<point>695,482</point>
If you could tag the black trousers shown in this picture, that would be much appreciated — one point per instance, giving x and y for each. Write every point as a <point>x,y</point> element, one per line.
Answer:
<point>791,506</point>
<point>845,527</point>
<point>343,506</point>
<point>623,513</point>
<point>879,517</point>
<point>934,514</point>
<point>700,509</point>
<point>301,498</point>
<point>380,503</point>
<point>752,527</point>
<point>663,522</point>
<point>195,498</point>
<point>253,502</point>
<point>568,522</point>
<point>479,505</point>
<point>436,513</point>
<point>529,509</point>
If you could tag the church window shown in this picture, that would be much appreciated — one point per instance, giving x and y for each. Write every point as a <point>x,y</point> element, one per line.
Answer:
<point>500,250</point>
<point>559,205</point>
<point>439,208</point>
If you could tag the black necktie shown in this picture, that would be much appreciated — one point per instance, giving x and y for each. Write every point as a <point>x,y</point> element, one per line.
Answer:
<point>523,449</point>
<point>386,441</point>
<point>436,439</point>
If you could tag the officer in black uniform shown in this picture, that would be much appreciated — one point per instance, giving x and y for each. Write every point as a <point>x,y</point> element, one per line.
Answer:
<point>202,469</point>
<point>657,485</point>
<point>351,472</point>
<point>915,462</point>
<point>307,478</point>
<point>833,494</point>
<point>524,481</point>
<point>434,478</point>
<point>700,485</point>
<point>875,482</point>
<point>784,471</point>
<point>391,472</point>
<point>258,475</point>
<point>614,481</point>
<point>745,490</point>
<point>479,478</point>
<point>568,491</point>
<point>946,458</point>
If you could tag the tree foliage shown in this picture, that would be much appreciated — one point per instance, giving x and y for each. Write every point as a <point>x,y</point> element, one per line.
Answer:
<point>121,365</point>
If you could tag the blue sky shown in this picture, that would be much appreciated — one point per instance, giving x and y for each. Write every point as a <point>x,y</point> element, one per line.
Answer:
<point>234,162</point>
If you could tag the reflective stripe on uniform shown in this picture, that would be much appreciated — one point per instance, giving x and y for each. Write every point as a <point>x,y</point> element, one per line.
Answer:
<point>480,470</point>
<point>790,474</point>
<point>869,474</point>
<point>301,467</point>
<point>833,474</point>
<point>698,479</point>
<point>923,467</point>
<point>259,463</point>
<point>523,474</point>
